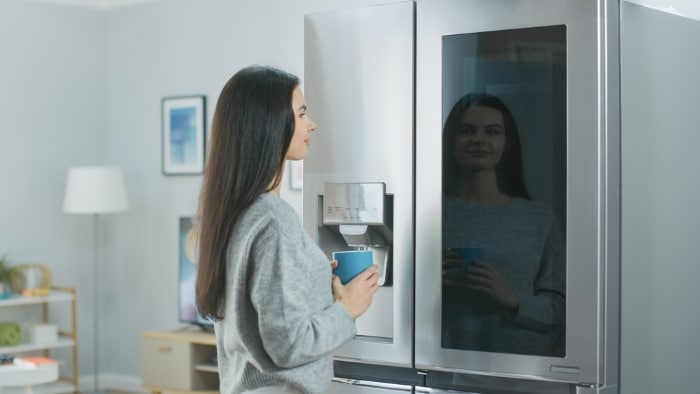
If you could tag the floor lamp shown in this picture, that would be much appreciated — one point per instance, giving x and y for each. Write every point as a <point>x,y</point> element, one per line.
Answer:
<point>95,191</point>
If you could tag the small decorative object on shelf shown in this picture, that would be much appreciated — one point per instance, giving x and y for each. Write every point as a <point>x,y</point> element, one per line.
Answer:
<point>33,373</point>
<point>6,359</point>
<point>36,280</point>
<point>10,334</point>
<point>38,360</point>
<point>8,275</point>
<point>43,333</point>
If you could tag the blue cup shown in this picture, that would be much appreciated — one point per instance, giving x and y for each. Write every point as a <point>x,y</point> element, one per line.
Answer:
<point>469,254</point>
<point>351,263</point>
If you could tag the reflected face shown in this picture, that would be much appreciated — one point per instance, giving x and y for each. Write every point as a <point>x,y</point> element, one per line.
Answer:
<point>480,139</point>
<point>303,127</point>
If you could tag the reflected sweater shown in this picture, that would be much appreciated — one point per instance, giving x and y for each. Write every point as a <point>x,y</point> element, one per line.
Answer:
<point>280,323</point>
<point>521,240</point>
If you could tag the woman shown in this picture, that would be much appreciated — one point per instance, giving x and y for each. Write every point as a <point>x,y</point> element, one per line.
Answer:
<point>260,277</point>
<point>512,300</point>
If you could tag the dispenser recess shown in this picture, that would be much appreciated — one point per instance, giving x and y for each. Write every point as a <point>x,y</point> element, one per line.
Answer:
<point>358,216</point>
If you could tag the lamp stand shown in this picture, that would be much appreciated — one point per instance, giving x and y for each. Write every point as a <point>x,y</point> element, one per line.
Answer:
<point>95,190</point>
<point>96,301</point>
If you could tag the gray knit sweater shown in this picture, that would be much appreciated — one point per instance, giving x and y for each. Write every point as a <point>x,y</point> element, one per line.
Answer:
<point>279,321</point>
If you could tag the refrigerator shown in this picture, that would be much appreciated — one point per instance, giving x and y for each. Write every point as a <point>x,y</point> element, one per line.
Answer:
<point>473,146</point>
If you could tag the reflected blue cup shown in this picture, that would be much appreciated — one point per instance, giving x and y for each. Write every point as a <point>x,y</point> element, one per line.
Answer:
<point>469,254</point>
<point>351,263</point>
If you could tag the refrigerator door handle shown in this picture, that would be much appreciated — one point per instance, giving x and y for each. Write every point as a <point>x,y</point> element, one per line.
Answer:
<point>362,386</point>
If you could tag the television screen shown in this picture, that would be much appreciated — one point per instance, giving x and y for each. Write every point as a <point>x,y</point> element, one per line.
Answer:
<point>188,312</point>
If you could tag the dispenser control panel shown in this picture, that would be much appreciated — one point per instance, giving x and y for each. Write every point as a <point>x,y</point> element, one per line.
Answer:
<point>353,203</point>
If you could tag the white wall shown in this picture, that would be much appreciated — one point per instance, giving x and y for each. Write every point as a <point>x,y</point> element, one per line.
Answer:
<point>660,190</point>
<point>52,116</point>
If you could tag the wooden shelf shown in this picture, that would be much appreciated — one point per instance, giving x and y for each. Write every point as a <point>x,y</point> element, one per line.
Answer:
<point>191,335</point>
<point>54,296</point>
<point>47,388</point>
<point>30,347</point>
<point>65,339</point>
<point>207,368</point>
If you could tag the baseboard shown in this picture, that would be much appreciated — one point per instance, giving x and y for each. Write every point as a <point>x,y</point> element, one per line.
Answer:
<point>112,382</point>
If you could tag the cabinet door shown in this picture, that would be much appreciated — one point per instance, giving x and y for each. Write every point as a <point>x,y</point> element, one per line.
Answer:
<point>166,363</point>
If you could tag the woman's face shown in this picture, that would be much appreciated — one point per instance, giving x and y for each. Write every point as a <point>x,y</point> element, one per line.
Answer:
<point>480,138</point>
<point>303,127</point>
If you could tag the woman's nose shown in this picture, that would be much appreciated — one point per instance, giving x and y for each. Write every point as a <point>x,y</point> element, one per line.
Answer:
<point>479,135</point>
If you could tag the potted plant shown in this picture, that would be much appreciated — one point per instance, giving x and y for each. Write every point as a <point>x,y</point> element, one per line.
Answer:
<point>8,275</point>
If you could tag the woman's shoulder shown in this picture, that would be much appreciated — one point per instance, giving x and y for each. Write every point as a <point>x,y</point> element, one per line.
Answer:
<point>274,204</point>
<point>269,209</point>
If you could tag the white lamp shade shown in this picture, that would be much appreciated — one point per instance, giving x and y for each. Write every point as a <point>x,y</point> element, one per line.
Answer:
<point>95,190</point>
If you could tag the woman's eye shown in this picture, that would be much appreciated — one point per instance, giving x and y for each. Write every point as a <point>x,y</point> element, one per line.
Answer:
<point>493,131</point>
<point>465,130</point>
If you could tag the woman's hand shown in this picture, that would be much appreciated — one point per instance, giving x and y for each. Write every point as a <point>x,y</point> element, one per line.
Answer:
<point>484,278</point>
<point>356,296</point>
<point>453,271</point>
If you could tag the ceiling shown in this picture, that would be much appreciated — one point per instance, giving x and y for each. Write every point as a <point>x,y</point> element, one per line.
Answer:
<point>104,4</point>
<point>685,8</point>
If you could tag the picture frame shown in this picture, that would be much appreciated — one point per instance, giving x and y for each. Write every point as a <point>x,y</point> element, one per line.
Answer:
<point>183,135</point>
<point>296,174</point>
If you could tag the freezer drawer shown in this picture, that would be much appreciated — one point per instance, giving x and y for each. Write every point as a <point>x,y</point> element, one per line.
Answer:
<point>342,386</point>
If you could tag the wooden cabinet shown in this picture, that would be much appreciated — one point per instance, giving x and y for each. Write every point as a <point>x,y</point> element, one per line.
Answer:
<point>182,361</point>
<point>58,307</point>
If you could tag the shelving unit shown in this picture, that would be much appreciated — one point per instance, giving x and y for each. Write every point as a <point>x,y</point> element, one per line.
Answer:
<point>180,361</point>
<point>66,339</point>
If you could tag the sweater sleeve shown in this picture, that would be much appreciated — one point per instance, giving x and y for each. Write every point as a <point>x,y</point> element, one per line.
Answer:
<point>544,309</point>
<point>290,290</point>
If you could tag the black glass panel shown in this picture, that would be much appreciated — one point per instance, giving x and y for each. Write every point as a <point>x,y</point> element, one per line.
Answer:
<point>504,191</point>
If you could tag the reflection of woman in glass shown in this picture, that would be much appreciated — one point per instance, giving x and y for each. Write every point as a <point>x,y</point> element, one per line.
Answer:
<point>512,300</point>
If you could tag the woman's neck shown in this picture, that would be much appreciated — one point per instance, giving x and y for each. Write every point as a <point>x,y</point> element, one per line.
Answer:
<point>276,191</point>
<point>481,188</point>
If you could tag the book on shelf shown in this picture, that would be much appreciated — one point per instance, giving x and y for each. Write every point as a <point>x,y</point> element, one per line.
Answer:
<point>34,360</point>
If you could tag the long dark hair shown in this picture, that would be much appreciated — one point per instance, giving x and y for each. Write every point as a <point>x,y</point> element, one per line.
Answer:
<point>509,171</point>
<point>251,131</point>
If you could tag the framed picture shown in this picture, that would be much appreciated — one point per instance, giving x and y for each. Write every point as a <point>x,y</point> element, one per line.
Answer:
<point>296,174</point>
<point>183,138</point>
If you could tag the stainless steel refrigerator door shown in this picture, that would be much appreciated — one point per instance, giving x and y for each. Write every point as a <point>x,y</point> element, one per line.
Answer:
<point>358,83</point>
<point>591,186</point>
